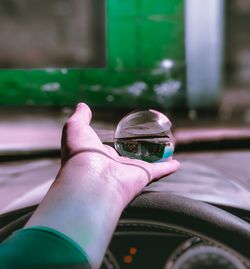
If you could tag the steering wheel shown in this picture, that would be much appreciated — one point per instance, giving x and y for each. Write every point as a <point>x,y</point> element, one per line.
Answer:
<point>157,210</point>
<point>193,217</point>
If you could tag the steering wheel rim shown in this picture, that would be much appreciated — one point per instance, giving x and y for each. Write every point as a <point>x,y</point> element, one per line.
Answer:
<point>193,217</point>
<point>185,215</point>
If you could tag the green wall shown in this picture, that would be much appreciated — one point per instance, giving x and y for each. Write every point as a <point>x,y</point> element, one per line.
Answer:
<point>140,35</point>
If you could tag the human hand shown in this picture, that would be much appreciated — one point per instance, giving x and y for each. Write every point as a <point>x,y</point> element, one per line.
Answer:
<point>92,188</point>
<point>125,176</point>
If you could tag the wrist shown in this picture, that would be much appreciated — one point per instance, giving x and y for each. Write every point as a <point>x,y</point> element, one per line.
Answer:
<point>98,201</point>
<point>84,204</point>
<point>93,172</point>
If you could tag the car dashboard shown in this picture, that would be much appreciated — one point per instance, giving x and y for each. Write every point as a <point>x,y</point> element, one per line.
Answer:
<point>198,217</point>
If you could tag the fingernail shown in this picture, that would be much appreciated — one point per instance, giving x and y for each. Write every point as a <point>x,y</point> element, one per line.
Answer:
<point>79,105</point>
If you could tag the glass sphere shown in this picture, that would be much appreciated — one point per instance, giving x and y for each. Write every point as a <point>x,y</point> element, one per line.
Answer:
<point>145,135</point>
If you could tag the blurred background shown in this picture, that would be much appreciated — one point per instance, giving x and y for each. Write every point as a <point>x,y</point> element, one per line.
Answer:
<point>189,59</point>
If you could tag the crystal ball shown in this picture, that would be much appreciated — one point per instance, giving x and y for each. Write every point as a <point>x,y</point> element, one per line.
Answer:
<point>145,135</point>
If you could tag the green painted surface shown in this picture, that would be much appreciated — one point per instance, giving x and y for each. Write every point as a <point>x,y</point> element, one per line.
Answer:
<point>140,35</point>
<point>163,43</point>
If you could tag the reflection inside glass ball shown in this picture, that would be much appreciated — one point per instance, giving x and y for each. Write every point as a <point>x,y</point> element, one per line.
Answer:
<point>145,135</point>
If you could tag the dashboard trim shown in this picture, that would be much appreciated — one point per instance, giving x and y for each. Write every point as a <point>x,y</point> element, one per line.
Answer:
<point>171,227</point>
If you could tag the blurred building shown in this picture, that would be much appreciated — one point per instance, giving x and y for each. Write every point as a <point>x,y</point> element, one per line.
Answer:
<point>237,42</point>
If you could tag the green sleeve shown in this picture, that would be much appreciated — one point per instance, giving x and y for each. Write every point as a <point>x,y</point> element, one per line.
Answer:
<point>42,248</point>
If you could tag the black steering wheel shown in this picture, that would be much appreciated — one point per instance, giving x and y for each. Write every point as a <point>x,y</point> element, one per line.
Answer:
<point>157,210</point>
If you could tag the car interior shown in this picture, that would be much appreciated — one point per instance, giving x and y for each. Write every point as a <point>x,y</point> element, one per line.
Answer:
<point>188,59</point>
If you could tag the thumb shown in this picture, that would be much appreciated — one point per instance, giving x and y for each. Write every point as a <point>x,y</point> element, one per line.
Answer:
<point>82,114</point>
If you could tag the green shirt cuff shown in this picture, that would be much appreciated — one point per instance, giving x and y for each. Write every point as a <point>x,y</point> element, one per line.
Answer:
<point>43,248</point>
